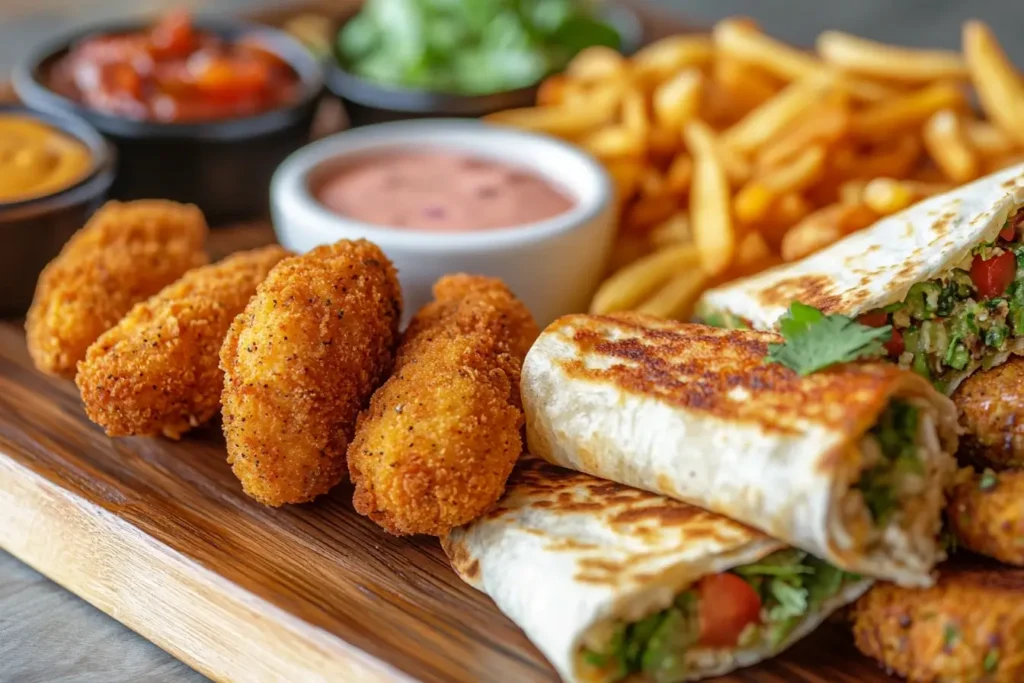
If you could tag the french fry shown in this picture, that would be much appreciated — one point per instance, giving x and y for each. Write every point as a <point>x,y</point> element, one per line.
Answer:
<point>741,40</point>
<point>826,123</point>
<point>634,113</point>
<point>737,168</point>
<point>679,175</point>
<point>710,210</point>
<point>673,230</point>
<point>676,298</point>
<point>899,157</point>
<point>1000,86</point>
<point>764,122</point>
<point>906,111</point>
<point>652,183</point>
<point>752,250</point>
<point>878,60</point>
<point>754,200</point>
<point>664,142</point>
<point>626,174</point>
<point>668,56</point>
<point>629,286</point>
<point>677,100</point>
<point>816,231</point>
<point>987,139</point>
<point>562,121</point>
<point>852,191</point>
<point>1004,161</point>
<point>783,214</point>
<point>597,63</point>
<point>886,196</point>
<point>552,90</point>
<point>744,84</point>
<point>647,212</point>
<point>613,142</point>
<point>949,148</point>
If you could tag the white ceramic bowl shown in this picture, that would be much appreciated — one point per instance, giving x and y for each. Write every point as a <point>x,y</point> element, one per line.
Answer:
<point>553,266</point>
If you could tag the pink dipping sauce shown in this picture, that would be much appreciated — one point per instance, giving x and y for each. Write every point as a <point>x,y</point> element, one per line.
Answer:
<point>440,192</point>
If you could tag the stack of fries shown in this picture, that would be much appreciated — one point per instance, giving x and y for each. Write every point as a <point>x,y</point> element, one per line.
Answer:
<point>733,152</point>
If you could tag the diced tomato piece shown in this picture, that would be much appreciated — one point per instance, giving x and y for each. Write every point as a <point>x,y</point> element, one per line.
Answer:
<point>874,319</point>
<point>894,347</point>
<point>1007,233</point>
<point>173,36</point>
<point>994,275</point>
<point>727,605</point>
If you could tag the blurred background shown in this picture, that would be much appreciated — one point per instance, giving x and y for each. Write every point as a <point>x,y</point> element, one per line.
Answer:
<point>909,22</point>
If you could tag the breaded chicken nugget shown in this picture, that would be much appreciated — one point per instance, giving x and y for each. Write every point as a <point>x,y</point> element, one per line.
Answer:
<point>300,363</point>
<point>156,371</point>
<point>441,436</point>
<point>968,627</point>
<point>991,409</point>
<point>986,512</point>
<point>124,254</point>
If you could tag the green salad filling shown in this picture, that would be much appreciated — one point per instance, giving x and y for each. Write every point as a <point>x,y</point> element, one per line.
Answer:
<point>897,468</point>
<point>468,47</point>
<point>749,606</point>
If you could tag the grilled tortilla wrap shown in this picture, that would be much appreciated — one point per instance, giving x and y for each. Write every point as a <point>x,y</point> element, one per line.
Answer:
<point>609,581</point>
<point>849,464</point>
<point>953,314</point>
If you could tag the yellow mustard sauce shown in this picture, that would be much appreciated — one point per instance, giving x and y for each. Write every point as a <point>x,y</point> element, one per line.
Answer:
<point>37,159</point>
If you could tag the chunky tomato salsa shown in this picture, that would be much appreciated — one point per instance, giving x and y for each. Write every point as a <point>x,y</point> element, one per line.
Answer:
<point>174,72</point>
<point>966,318</point>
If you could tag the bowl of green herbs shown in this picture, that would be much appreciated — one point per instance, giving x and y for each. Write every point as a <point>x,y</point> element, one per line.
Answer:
<point>400,59</point>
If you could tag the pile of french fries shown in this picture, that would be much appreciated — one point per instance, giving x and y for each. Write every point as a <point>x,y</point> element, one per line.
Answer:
<point>732,152</point>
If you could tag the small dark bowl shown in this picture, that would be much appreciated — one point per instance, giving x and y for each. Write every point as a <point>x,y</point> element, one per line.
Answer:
<point>367,102</point>
<point>223,166</point>
<point>33,230</point>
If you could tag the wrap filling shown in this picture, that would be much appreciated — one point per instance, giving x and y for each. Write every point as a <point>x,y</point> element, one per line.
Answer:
<point>752,606</point>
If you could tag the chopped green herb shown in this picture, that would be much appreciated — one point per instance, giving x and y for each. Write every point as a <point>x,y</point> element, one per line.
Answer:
<point>989,480</point>
<point>950,635</point>
<point>663,657</point>
<point>991,661</point>
<point>815,341</point>
<point>896,435</point>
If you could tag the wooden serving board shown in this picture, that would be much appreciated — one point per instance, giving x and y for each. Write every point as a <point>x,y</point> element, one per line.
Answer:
<point>159,535</point>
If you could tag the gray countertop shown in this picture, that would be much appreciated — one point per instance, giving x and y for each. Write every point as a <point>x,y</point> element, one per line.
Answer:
<point>48,635</point>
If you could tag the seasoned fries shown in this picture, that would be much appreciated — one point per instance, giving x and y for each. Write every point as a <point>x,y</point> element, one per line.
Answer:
<point>731,152</point>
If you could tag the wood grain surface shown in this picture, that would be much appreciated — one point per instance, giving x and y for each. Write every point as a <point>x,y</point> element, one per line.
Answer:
<point>159,535</point>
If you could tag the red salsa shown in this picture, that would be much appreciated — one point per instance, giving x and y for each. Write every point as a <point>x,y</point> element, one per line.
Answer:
<point>175,72</point>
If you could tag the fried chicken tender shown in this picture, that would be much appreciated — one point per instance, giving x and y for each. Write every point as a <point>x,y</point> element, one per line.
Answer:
<point>986,512</point>
<point>124,254</point>
<point>968,627</point>
<point>300,363</point>
<point>991,409</point>
<point>157,371</point>
<point>441,436</point>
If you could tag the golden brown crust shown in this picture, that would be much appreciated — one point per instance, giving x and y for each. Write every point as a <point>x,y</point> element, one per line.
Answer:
<point>986,512</point>
<point>439,440</point>
<point>300,363</point>
<point>968,627</point>
<point>991,409</point>
<point>156,371</point>
<point>124,254</point>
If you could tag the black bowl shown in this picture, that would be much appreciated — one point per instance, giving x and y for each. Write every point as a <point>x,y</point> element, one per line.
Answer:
<point>367,102</point>
<point>32,231</point>
<point>222,166</point>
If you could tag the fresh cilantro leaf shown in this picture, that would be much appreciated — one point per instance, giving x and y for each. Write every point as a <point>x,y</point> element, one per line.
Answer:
<point>815,341</point>
<point>786,563</point>
<point>825,583</point>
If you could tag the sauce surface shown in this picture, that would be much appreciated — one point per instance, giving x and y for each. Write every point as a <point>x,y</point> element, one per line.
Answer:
<point>437,191</point>
<point>174,73</point>
<point>37,159</point>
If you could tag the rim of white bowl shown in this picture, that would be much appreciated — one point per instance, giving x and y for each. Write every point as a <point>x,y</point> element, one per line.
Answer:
<point>291,195</point>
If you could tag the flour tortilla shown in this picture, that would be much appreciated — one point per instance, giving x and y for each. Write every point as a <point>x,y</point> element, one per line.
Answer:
<point>564,553</point>
<point>877,266</point>
<point>694,413</point>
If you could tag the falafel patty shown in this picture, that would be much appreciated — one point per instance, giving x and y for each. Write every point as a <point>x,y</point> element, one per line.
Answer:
<point>986,512</point>
<point>968,627</point>
<point>990,406</point>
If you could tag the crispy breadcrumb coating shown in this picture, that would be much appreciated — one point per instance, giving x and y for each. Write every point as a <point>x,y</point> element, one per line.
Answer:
<point>986,512</point>
<point>968,627</point>
<point>156,371</point>
<point>300,363</point>
<point>990,405</point>
<point>124,254</point>
<point>441,436</point>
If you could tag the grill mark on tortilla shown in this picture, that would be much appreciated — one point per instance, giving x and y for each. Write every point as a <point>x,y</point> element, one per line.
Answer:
<point>813,290</point>
<point>722,373</point>
<point>666,514</point>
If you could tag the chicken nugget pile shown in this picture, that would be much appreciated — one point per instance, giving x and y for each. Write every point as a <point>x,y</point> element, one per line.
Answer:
<point>442,434</point>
